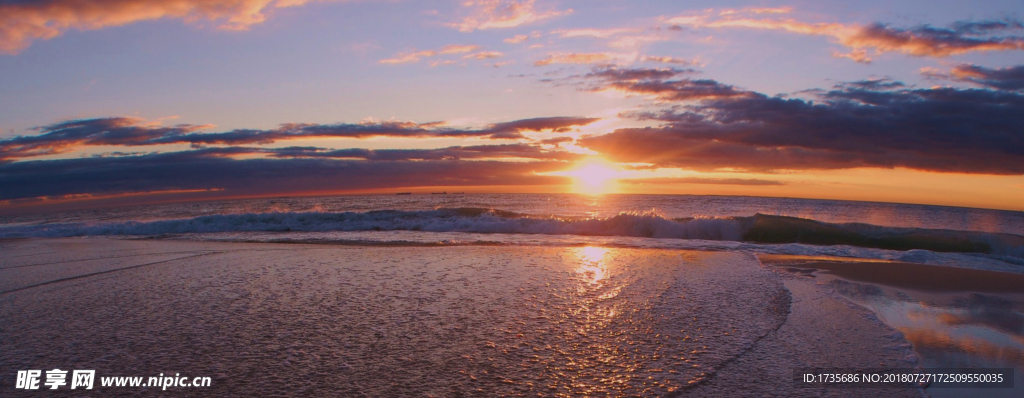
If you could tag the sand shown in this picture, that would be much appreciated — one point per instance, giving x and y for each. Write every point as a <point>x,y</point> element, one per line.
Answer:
<point>320,320</point>
<point>928,278</point>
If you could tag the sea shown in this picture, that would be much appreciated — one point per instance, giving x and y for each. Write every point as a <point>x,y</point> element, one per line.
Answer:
<point>941,235</point>
<point>960,329</point>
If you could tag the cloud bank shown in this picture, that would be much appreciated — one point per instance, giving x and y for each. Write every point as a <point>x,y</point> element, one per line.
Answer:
<point>922,41</point>
<point>210,170</point>
<point>70,135</point>
<point>708,125</point>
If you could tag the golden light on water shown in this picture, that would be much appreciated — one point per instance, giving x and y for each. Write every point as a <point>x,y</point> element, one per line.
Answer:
<point>594,176</point>
<point>591,263</point>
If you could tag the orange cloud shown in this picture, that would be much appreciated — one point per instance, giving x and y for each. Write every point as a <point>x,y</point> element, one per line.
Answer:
<point>516,39</point>
<point>21,23</point>
<point>499,14</point>
<point>415,56</point>
<point>859,55</point>
<point>484,55</point>
<point>575,58</point>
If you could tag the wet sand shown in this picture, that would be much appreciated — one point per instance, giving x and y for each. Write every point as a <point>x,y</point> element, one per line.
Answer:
<point>317,320</point>
<point>929,278</point>
<point>953,317</point>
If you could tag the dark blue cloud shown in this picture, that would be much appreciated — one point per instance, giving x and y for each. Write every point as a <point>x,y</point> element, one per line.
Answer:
<point>214,168</point>
<point>64,136</point>
<point>1009,79</point>
<point>710,125</point>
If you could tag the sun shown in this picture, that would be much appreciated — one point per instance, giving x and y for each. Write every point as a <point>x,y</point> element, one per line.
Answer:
<point>594,176</point>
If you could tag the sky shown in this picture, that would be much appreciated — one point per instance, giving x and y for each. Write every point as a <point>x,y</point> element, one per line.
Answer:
<point>162,100</point>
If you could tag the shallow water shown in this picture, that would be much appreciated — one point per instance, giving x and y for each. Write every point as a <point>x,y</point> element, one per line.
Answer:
<point>384,321</point>
<point>949,329</point>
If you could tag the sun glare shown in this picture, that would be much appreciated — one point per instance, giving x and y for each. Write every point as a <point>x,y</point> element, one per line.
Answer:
<point>594,176</point>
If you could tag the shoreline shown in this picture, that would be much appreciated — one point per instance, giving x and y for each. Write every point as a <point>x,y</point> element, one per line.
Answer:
<point>635,290</point>
<point>915,276</point>
<point>952,317</point>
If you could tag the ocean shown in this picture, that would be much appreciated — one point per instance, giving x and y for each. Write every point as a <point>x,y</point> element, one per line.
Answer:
<point>976,238</point>
<point>515,294</point>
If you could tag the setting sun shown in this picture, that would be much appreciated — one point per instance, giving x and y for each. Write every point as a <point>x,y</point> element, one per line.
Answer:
<point>594,176</point>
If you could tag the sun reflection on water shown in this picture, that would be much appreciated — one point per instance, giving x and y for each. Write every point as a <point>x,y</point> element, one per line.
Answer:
<point>592,267</point>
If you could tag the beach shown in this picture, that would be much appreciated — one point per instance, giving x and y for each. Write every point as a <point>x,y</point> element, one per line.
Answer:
<point>300,319</point>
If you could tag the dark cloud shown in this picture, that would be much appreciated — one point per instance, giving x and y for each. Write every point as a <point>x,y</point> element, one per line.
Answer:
<point>873,84</point>
<point>213,168</point>
<point>61,137</point>
<point>635,74</point>
<point>65,136</point>
<point>1009,79</point>
<point>523,151</point>
<point>709,125</point>
<point>679,90</point>
<point>556,124</point>
<point>556,140</point>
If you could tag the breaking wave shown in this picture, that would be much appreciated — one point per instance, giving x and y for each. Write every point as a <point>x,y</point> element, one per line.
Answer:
<point>758,228</point>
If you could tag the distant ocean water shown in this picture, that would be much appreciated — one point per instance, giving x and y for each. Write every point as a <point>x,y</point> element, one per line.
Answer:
<point>930,234</point>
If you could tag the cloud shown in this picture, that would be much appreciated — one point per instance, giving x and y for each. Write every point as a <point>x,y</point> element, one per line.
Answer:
<point>595,33</point>
<point>668,60</point>
<point>507,151</point>
<point>516,39</point>
<point>415,56</point>
<point>209,169</point>
<point>700,180</point>
<point>70,135</point>
<point>962,37</point>
<point>556,140</point>
<point>1010,79</point>
<point>629,75</point>
<point>860,56</point>
<point>484,55</point>
<point>22,22</point>
<point>500,14</point>
<point>678,90</point>
<point>872,84</point>
<point>575,58</point>
<point>708,125</point>
<point>922,41</point>
<point>758,10</point>
<point>623,38</point>
<point>560,124</point>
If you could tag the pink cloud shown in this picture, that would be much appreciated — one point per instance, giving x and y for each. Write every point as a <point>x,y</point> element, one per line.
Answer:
<point>416,56</point>
<point>483,55</point>
<point>668,60</point>
<point>858,55</point>
<point>516,39</point>
<point>499,14</point>
<point>575,58</point>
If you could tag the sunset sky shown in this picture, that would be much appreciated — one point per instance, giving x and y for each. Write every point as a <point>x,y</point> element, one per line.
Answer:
<point>917,102</point>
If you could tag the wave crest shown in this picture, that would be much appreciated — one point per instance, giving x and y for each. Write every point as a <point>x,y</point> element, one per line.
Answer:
<point>758,228</point>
